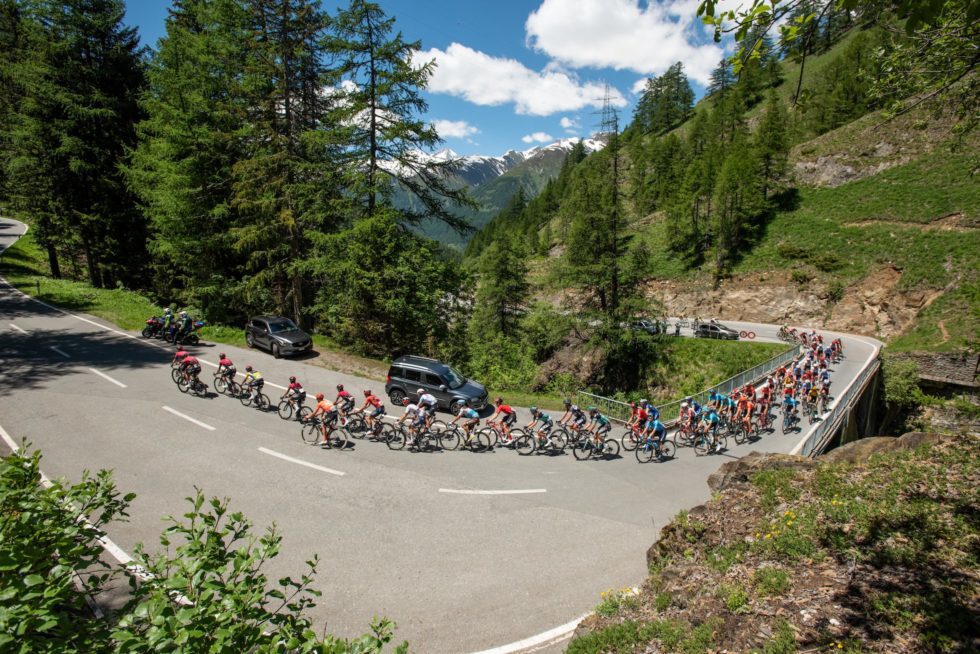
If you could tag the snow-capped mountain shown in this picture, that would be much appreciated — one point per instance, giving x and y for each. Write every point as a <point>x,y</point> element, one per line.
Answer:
<point>474,169</point>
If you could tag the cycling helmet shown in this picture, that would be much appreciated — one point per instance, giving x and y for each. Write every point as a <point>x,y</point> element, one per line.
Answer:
<point>340,387</point>
<point>684,405</point>
<point>405,401</point>
<point>568,402</point>
<point>534,410</point>
<point>367,393</point>
<point>183,314</point>
<point>593,410</point>
<point>319,396</point>
<point>421,391</point>
<point>644,402</point>
<point>292,379</point>
<point>499,401</point>
<point>222,355</point>
<point>167,311</point>
<point>248,368</point>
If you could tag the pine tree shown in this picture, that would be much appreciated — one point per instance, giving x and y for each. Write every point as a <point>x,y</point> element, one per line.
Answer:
<point>666,102</point>
<point>771,143</point>
<point>738,204</point>
<point>379,94</point>
<point>503,289</point>
<point>75,126</point>
<point>722,78</point>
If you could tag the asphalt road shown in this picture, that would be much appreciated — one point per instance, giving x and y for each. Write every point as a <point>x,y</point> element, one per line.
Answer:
<point>457,571</point>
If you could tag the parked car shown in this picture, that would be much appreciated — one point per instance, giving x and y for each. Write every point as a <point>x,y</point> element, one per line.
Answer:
<point>648,326</point>
<point>715,330</point>
<point>279,335</point>
<point>451,389</point>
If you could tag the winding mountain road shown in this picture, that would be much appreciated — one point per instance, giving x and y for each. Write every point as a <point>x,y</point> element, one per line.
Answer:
<point>464,551</point>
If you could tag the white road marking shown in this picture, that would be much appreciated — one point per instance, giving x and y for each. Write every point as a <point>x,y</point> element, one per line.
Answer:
<point>284,457</point>
<point>108,378</point>
<point>547,637</point>
<point>493,492</point>
<point>188,418</point>
<point>21,330</point>
<point>60,351</point>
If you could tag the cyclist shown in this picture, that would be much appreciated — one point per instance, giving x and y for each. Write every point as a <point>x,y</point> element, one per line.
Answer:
<point>179,356</point>
<point>253,381</point>
<point>507,416</point>
<point>709,425</point>
<point>470,419</point>
<point>573,416</point>
<point>294,392</point>
<point>412,412</point>
<point>638,419</point>
<point>328,411</point>
<point>344,401</point>
<point>599,425</point>
<point>744,412</point>
<point>372,400</point>
<point>226,368</point>
<point>537,415</point>
<point>653,413</point>
<point>789,408</point>
<point>428,402</point>
<point>190,367</point>
<point>825,396</point>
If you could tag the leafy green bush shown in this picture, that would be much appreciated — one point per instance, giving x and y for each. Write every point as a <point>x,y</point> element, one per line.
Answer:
<point>792,251</point>
<point>835,291</point>
<point>770,581</point>
<point>800,277</point>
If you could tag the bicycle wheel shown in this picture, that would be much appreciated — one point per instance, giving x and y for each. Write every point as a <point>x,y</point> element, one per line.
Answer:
<point>740,435</point>
<point>666,451</point>
<point>582,449</point>
<point>480,442</point>
<point>438,426</point>
<point>245,398</point>
<point>183,385</point>
<point>285,410</point>
<point>234,388</point>
<point>338,438</point>
<point>396,439</point>
<point>559,441</point>
<point>630,441</point>
<point>701,445</point>
<point>220,384</point>
<point>304,412</point>
<point>722,443</point>
<point>610,448</point>
<point>524,445</point>
<point>451,438</point>
<point>262,402</point>
<point>310,432</point>
<point>645,452</point>
<point>175,374</point>
<point>356,427</point>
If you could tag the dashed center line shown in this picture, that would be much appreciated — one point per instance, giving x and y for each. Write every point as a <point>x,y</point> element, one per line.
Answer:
<point>20,329</point>
<point>524,491</point>
<point>108,378</point>
<point>188,418</point>
<point>301,462</point>
<point>60,351</point>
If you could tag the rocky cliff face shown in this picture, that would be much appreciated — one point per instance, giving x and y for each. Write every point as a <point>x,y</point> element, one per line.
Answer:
<point>875,306</point>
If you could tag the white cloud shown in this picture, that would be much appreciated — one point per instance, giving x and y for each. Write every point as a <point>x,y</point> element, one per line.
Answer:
<point>538,137</point>
<point>459,129</point>
<point>639,85</point>
<point>485,80</point>
<point>645,37</point>
<point>568,123</point>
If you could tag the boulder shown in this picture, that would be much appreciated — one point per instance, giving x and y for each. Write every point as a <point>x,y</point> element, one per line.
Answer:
<point>861,450</point>
<point>740,470</point>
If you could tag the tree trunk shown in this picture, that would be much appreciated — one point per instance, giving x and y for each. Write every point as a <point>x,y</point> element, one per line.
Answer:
<point>53,261</point>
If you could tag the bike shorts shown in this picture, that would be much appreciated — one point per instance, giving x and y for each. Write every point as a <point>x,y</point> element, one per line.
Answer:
<point>509,419</point>
<point>380,411</point>
<point>193,370</point>
<point>299,397</point>
<point>229,372</point>
<point>579,422</point>
<point>347,405</point>
<point>546,428</point>
<point>603,430</point>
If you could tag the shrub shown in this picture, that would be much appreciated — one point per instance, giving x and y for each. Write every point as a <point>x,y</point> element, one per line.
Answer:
<point>800,277</point>
<point>770,581</point>
<point>792,252</point>
<point>835,291</point>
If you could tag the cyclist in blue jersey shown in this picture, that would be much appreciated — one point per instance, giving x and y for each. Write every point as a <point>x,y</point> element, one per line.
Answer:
<point>789,409</point>
<point>709,423</point>
<point>653,413</point>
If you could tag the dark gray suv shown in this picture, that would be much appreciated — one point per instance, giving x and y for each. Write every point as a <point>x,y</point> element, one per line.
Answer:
<point>278,335</point>
<point>451,389</point>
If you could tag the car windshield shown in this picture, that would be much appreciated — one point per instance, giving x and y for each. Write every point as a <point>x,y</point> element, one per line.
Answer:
<point>282,325</point>
<point>455,379</point>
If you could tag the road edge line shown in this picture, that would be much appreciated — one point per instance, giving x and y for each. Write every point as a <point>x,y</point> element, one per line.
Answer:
<point>545,637</point>
<point>286,457</point>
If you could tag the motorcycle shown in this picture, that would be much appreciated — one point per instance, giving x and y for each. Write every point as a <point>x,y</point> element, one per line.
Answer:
<point>191,338</point>
<point>153,327</point>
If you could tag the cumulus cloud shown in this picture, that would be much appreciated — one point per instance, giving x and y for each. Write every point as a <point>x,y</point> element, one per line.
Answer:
<point>459,129</point>
<point>485,80</point>
<point>538,137</point>
<point>625,35</point>
<point>568,123</point>
<point>639,85</point>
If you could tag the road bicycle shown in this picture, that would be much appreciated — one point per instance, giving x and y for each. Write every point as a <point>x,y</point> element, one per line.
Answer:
<point>292,407</point>
<point>455,437</point>
<point>554,442</point>
<point>653,448</point>
<point>587,447</point>
<point>312,433</point>
<point>225,383</point>
<point>417,440</point>
<point>704,444</point>
<point>358,428</point>
<point>194,385</point>
<point>632,438</point>
<point>254,397</point>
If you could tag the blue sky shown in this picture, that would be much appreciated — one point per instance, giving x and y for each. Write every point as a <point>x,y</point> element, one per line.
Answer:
<point>516,73</point>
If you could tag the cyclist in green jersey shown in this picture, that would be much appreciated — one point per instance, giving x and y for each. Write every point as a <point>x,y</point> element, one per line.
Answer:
<point>599,426</point>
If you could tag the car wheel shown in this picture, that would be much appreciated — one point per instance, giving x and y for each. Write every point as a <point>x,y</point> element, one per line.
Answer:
<point>249,339</point>
<point>275,351</point>
<point>456,406</point>
<point>396,396</point>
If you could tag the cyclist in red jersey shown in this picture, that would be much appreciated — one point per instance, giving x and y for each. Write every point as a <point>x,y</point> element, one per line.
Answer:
<point>377,410</point>
<point>179,356</point>
<point>507,416</point>
<point>190,367</point>
<point>344,401</point>
<point>294,391</point>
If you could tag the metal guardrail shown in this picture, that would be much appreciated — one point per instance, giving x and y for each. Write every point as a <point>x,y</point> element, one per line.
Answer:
<point>618,410</point>
<point>842,405</point>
